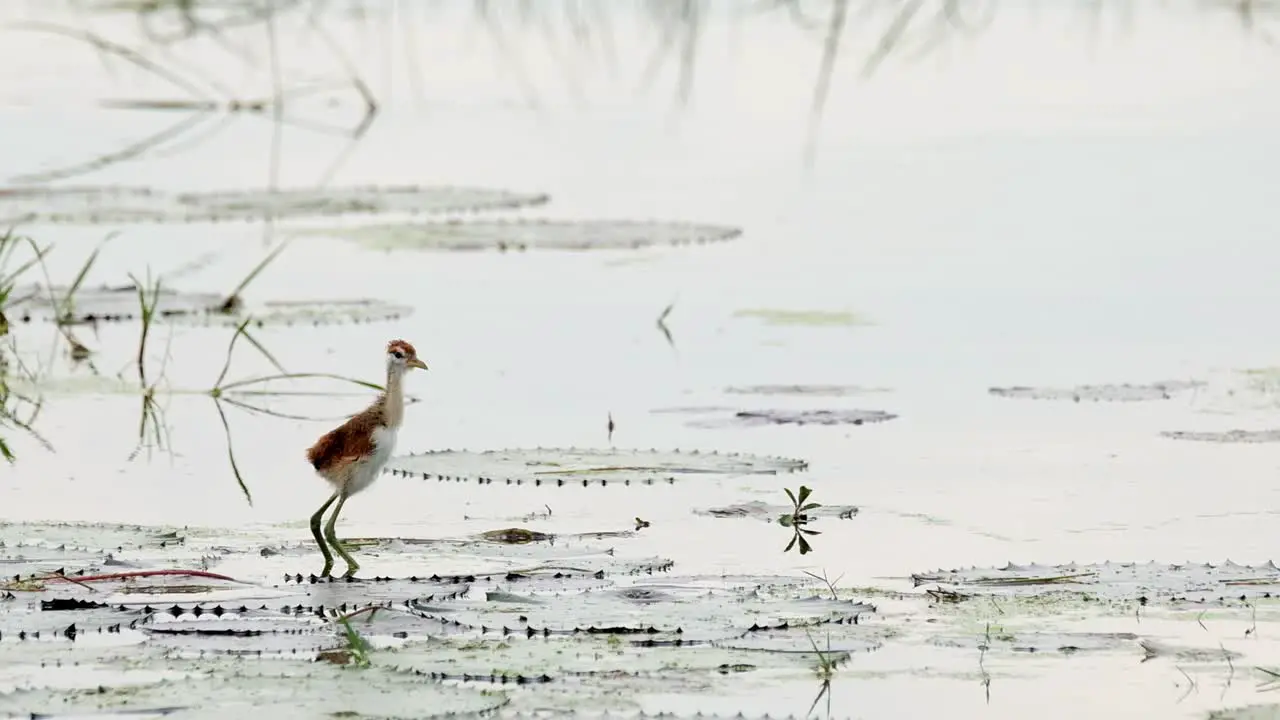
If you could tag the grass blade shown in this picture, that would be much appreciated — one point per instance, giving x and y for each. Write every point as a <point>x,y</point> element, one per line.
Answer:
<point>231,453</point>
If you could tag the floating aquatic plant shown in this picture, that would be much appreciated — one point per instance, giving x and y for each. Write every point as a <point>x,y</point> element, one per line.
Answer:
<point>120,304</point>
<point>223,688</point>
<point>1225,436</point>
<point>806,390</point>
<point>530,235</point>
<point>798,519</point>
<point>89,204</point>
<point>782,416</point>
<point>675,609</point>
<point>583,466</point>
<point>772,512</point>
<point>1144,582</point>
<point>1125,392</point>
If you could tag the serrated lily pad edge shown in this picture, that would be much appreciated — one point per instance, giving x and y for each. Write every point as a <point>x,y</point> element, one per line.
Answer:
<point>786,466</point>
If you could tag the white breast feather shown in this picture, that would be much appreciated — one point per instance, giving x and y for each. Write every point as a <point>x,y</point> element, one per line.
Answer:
<point>384,444</point>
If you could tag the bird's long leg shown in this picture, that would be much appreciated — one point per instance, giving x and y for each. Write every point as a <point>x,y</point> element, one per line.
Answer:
<point>352,565</point>
<point>315,531</point>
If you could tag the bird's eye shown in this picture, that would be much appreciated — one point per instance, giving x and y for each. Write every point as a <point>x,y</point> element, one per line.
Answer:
<point>399,355</point>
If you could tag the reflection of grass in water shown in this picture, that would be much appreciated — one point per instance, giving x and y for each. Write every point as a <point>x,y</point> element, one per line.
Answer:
<point>152,429</point>
<point>573,36</point>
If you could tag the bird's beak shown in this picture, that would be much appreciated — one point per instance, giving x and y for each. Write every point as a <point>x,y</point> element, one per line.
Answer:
<point>416,363</point>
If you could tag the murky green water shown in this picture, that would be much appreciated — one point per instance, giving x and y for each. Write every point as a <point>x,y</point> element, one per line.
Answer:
<point>1059,201</point>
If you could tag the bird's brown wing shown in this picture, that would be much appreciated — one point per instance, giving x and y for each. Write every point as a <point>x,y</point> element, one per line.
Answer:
<point>346,443</point>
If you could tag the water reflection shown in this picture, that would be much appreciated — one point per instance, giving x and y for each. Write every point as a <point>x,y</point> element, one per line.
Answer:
<point>276,39</point>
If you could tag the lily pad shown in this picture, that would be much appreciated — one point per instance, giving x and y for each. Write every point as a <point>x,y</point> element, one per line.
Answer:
<point>806,390</point>
<point>255,636</point>
<point>666,612</point>
<point>302,312</point>
<point>1125,392</point>
<point>836,638</point>
<point>578,466</point>
<point>33,549</point>
<point>277,690</point>
<point>1144,582</point>
<point>87,204</point>
<point>1067,643</point>
<point>107,204</point>
<point>1225,436</point>
<point>1247,712</point>
<point>596,657</point>
<point>531,235</point>
<point>18,624</point>
<point>93,536</point>
<point>569,563</point>
<point>778,416</point>
<point>101,304</point>
<point>93,305</point>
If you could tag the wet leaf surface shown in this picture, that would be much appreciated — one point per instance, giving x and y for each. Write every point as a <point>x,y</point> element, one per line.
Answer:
<point>1101,393</point>
<point>532,235</point>
<point>580,466</point>
<point>1145,582</point>
<point>106,204</point>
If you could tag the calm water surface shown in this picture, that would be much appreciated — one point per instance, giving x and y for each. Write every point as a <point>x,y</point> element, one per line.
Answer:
<point>1038,205</point>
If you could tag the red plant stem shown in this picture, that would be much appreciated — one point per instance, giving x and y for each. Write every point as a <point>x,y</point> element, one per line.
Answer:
<point>141,573</point>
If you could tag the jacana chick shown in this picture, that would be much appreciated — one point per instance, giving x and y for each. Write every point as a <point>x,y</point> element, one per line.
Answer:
<point>351,456</point>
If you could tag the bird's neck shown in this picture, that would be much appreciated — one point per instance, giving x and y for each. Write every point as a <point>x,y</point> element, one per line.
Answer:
<point>393,400</point>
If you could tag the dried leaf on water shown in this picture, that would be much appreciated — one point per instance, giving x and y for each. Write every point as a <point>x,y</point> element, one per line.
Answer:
<point>530,235</point>
<point>582,466</point>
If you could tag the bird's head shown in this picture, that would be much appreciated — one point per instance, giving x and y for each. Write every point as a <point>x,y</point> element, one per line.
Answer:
<point>401,356</point>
